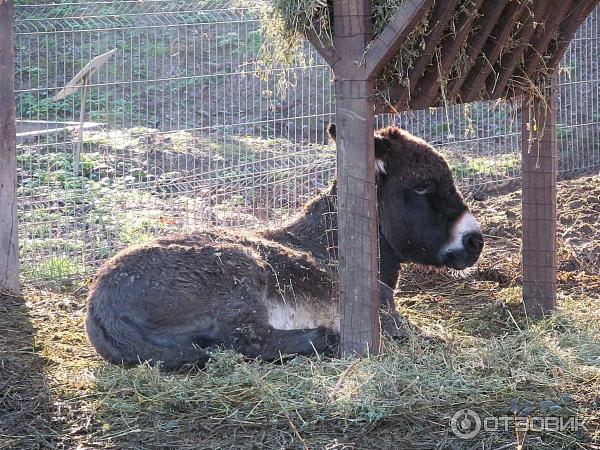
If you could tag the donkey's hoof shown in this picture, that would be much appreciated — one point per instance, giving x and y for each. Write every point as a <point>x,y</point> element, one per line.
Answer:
<point>396,332</point>
<point>395,326</point>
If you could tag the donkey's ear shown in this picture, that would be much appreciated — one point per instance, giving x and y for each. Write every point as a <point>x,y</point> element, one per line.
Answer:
<point>331,131</point>
<point>382,150</point>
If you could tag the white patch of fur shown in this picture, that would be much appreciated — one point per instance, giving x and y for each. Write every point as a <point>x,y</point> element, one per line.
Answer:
<point>464,225</point>
<point>464,273</point>
<point>302,315</point>
<point>379,166</point>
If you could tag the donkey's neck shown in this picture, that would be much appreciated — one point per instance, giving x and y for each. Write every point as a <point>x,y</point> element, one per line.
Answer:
<point>314,229</point>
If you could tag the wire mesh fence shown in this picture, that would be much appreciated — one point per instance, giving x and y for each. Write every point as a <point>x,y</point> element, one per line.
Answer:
<point>183,129</point>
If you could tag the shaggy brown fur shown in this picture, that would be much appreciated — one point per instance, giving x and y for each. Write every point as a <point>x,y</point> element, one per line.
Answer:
<point>270,292</point>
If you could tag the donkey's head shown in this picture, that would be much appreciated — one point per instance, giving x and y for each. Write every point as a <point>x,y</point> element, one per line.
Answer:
<point>421,214</point>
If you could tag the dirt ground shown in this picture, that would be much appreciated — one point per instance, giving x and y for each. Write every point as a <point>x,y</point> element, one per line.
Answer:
<point>578,230</point>
<point>486,354</point>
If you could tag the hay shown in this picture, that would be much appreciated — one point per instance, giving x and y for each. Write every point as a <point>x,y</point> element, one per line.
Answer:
<point>284,22</point>
<point>477,349</point>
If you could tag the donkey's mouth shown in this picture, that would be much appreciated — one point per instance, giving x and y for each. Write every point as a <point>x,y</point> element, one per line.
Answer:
<point>465,247</point>
<point>429,269</point>
<point>460,259</point>
<point>437,270</point>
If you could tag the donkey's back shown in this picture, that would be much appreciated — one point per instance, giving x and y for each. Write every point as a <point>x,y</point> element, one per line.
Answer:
<point>172,299</point>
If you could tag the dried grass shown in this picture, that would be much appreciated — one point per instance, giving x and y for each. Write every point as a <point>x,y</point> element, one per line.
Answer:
<point>284,22</point>
<point>477,349</point>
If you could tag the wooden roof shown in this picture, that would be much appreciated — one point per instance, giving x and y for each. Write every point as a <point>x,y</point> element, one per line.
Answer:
<point>537,35</point>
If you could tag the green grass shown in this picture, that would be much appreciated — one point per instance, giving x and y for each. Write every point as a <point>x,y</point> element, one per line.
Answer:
<point>56,268</point>
<point>563,132</point>
<point>77,206</point>
<point>139,53</point>
<point>502,164</point>
<point>101,106</point>
<point>182,141</point>
<point>136,227</point>
<point>470,166</point>
<point>123,197</point>
<point>228,40</point>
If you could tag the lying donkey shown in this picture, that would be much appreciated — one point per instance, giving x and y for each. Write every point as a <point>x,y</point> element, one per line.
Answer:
<point>270,292</point>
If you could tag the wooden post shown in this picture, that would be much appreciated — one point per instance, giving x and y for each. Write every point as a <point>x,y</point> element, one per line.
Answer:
<point>79,144</point>
<point>539,150</point>
<point>9,247</point>
<point>357,196</point>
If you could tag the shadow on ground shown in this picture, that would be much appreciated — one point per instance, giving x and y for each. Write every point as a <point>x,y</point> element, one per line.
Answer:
<point>26,408</point>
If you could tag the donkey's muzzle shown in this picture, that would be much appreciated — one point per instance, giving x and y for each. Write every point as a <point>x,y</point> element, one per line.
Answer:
<point>473,243</point>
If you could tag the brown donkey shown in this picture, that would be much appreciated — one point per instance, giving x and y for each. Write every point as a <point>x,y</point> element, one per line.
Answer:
<point>268,293</point>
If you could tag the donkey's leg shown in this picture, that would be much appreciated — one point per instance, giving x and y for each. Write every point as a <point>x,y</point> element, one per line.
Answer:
<point>393,324</point>
<point>389,268</point>
<point>307,342</point>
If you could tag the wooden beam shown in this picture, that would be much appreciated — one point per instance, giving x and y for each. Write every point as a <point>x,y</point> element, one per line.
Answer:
<point>9,246</point>
<point>357,196</point>
<point>324,48</point>
<point>442,13</point>
<point>498,81</point>
<point>569,27</point>
<point>540,43</point>
<point>491,13</point>
<point>539,149</point>
<point>387,44</point>
<point>492,51</point>
<point>451,45</point>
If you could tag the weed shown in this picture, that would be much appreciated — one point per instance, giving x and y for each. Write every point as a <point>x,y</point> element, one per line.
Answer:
<point>563,132</point>
<point>55,268</point>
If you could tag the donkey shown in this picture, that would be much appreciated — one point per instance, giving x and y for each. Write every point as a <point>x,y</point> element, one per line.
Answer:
<point>267,293</point>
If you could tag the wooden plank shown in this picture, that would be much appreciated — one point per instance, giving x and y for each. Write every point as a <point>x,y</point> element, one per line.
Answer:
<point>442,13</point>
<point>539,149</point>
<point>498,81</point>
<point>569,27</point>
<point>490,17</point>
<point>540,43</point>
<point>451,45</point>
<point>357,196</point>
<point>491,13</point>
<point>387,44</point>
<point>492,50</point>
<point>322,47</point>
<point>9,246</point>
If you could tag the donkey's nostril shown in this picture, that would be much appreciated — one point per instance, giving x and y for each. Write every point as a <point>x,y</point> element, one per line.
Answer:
<point>473,243</point>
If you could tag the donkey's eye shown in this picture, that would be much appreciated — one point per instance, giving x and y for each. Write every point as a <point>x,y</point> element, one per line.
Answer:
<point>423,188</point>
